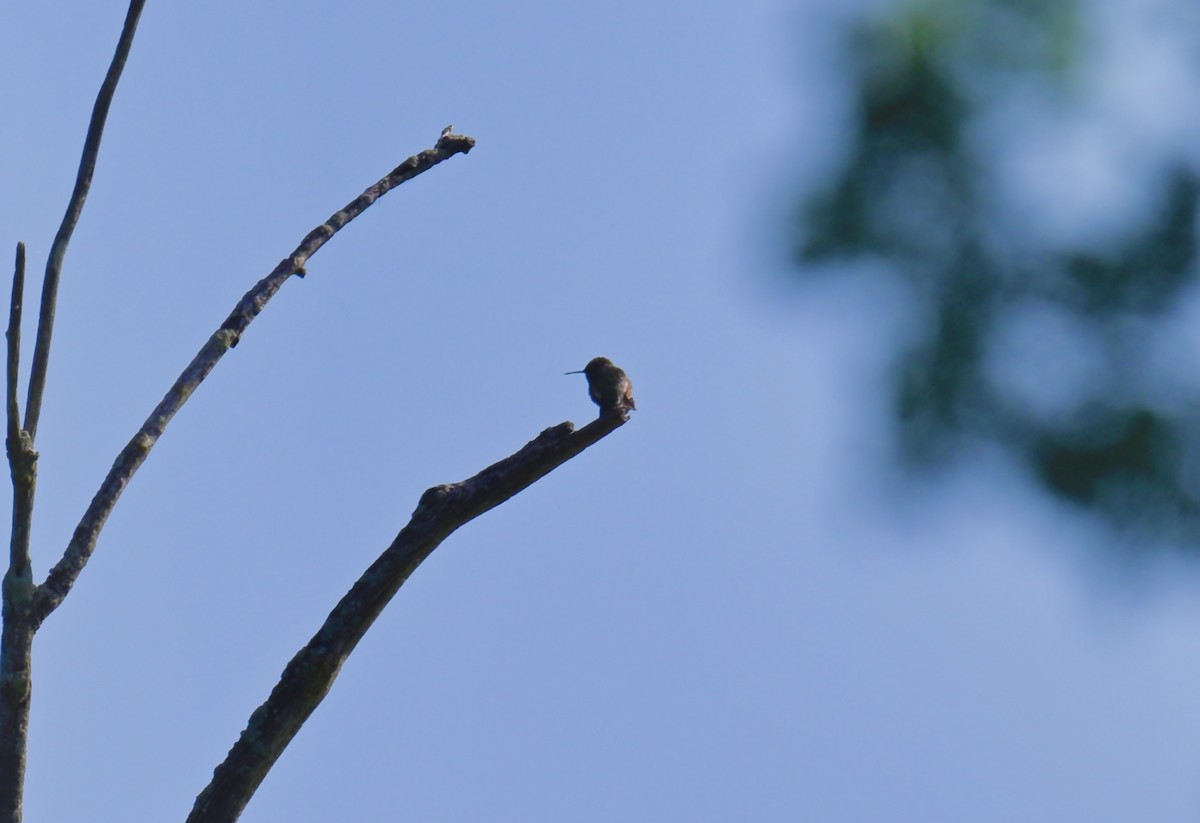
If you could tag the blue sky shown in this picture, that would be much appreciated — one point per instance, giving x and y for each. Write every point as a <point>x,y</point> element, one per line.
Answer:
<point>729,609</point>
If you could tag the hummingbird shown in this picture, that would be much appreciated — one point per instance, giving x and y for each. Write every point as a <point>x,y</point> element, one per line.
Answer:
<point>608,386</point>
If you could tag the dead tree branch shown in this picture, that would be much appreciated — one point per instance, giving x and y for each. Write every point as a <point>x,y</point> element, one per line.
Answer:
<point>310,674</point>
<point>83,541</point>
<point>21,457</point>
<point>20,622</point>
<point>58,251</point>
<point>16,638</point>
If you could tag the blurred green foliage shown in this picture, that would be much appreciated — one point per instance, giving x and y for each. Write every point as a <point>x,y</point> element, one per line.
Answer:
<point>914,193</point>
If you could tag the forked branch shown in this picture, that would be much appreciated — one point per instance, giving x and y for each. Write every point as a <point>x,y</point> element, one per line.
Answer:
<point>19,621</point>
<point>83,541</point>
<point>16,635</point>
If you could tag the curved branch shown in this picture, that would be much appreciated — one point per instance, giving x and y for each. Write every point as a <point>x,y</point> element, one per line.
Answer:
<point>58,251</point>
<point>310,674</point>
<point>83,541</point>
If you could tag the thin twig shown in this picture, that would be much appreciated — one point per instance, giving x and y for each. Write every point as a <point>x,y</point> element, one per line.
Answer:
<point>13,337</point>
<point>58,251</point>
<point>83,542</point>
<point>22,460</point>
<point>310,674</point>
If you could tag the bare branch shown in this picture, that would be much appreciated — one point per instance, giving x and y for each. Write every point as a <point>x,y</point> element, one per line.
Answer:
<point>16,637</point>
<point>20,622</point>
<point>16,645</point>
<point>58,251</point>
<point>14,343</point>
<point>22,460</point>
<point>13,337</point>
<point>83,542</point>
<point>310,674</point>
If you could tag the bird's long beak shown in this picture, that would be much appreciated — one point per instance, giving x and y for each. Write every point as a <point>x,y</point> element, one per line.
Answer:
<point>580,371</point>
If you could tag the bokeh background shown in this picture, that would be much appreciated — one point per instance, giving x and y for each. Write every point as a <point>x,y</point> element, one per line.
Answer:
<point>905,525</point>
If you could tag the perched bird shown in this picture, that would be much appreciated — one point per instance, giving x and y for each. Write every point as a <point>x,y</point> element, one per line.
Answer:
<point>608,386</point>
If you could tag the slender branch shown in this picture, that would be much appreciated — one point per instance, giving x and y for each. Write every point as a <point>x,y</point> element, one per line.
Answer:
<point>14,342</point>
<point>83,542</point>
<point>310,674</point>
<point>58,251</point>
<point>16,636</point>
<point>22,460</point>
<point>20,622</point>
